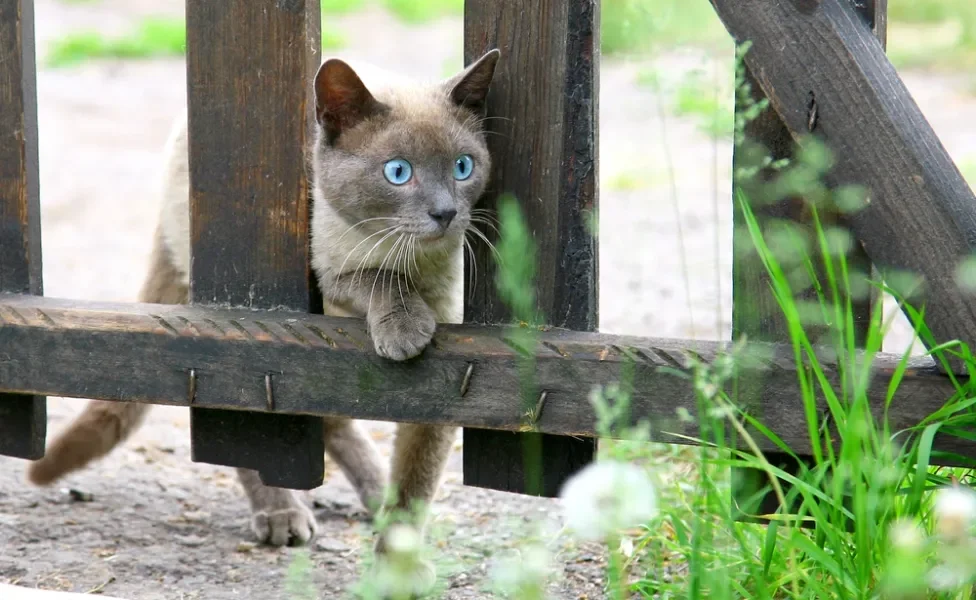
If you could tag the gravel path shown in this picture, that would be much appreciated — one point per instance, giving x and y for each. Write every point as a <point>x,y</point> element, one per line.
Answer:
<point>159,526</point>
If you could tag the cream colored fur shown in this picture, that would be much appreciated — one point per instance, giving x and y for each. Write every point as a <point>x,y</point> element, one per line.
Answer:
<point>340,253</point>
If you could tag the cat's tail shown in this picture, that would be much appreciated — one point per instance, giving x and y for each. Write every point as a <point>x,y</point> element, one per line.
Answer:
<point>93,434</point>
<point>103,425</point>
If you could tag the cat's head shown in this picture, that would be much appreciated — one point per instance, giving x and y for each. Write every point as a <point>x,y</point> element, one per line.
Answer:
<point>407,156</point>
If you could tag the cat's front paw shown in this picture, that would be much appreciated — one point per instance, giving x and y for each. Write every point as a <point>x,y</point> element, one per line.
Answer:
<point>288,526</point>
<point>403,333</point>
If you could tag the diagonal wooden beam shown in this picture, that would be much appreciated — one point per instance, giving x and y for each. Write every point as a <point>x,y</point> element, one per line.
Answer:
<point>23,419</point>
<point>826,73</point>
<point>468,377</point>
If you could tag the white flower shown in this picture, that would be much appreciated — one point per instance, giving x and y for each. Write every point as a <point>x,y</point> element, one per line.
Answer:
<point>607,496</point>
<point>401,572</point>
<point>906,535</point>
<point>627,546</point>
<point>402,540</point>
<point>943,578</point>
<point>954,511</point>
<point>524,572</point>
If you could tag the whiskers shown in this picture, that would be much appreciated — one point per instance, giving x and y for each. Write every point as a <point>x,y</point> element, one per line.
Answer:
<point>477,123</point>
<point>397,257</point>
<point>485,217</point>
<point>397,265</point>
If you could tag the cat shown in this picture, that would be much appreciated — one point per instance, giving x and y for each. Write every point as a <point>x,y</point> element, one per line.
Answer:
<point>396,167</point>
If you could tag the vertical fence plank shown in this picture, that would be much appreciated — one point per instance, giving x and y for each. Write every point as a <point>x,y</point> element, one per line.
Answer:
<point>543,141</point>
<point>250,64</point>
<point>756,313</point>
<point>23,419</point>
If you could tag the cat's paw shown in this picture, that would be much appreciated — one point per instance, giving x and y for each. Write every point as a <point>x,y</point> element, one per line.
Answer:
<point>403,333</point>
<point>293,525</point>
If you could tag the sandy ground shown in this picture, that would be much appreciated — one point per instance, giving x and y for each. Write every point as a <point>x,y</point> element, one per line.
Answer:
<point>159,526</point>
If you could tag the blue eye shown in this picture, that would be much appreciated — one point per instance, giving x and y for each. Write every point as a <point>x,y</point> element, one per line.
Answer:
<point>463,167</point>
<point>397,171</point>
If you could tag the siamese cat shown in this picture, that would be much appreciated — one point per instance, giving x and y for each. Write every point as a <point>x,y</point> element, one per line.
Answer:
<point>396,168</point>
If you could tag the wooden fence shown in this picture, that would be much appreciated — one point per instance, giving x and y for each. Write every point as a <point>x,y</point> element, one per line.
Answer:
<point>257,365</point>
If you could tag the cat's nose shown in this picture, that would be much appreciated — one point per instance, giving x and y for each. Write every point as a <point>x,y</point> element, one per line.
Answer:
<point>443,217</point>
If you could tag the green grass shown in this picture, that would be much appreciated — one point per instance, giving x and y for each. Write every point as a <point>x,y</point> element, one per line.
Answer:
<point>866,479</point>
<point>884,484</point>
<point>929,11</point>
<point>706,103</point>
<point>932,33</point>
<point>341,7</point>
<point>921,33</point>
<point>421,11</point>
<point>153,37</point>
<point>333,38</point>
<point>967,166</point>
<point>638,26</point>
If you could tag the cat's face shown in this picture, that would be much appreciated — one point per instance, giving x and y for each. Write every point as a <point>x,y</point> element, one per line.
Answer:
<point>408,162</point>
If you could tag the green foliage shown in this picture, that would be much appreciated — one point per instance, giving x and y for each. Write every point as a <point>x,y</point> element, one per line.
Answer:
<point>153,37</point>
<point>932,33</point>
<point>332,37</point>
<point>968,168</point>
<point>867,484</point>
<point>629,26</point>
<point>927,11</point>
<point>706,103</point>
<point>515,279</point>
<point>421,11</point>
<point>341,7</point>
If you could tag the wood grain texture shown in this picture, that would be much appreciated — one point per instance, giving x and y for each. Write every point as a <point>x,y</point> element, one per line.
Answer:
<point>756,313</point>
<point>543,111</point>
<point>921,214</point>
<point>23,419</point>
<point>326,366</point>
<point>250,64</point>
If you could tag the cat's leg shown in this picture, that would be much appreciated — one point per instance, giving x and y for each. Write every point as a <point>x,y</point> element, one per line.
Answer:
<point>358,459</point>
<point>278,516</point>
<point>420,453</point>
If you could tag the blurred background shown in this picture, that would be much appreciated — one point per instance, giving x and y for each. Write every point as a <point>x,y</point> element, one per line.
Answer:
<point>111,78</point>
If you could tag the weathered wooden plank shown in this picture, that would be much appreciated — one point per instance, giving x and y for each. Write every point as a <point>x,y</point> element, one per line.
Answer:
<point>249,118</point>
<point>326,366</point>
<point>921,215</point>
<point>756,314</point>
<point>543,112</point>
<point>23,419</point>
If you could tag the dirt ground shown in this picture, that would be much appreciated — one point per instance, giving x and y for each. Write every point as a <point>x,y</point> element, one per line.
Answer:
<point>158,526</point>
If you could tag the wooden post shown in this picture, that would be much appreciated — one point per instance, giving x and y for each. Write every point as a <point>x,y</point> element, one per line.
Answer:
<point>543,112</point>
<point>250,64</point>
<point>756,313</point>
<point>23,419</point>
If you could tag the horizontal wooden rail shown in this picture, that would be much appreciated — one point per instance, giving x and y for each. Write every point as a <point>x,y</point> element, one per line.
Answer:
<point>297,363</point>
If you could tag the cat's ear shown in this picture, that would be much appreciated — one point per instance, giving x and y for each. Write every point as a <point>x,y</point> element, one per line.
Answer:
<point>341,99</point>
<point>469,88</point>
